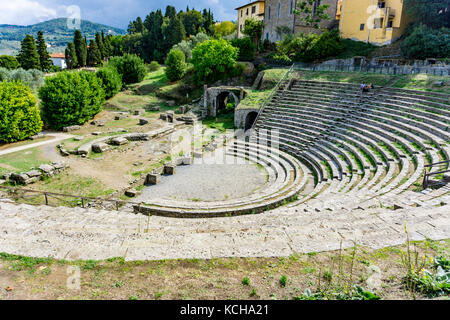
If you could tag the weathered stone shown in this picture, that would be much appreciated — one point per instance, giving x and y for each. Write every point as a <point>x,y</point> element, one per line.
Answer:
<point>78,138</point>
<point>118,141</point>
<point>170,169</point>
<point>38,136</point>
<point>99,123</point>
<point>100,147</point>
<point>438,83</point>
<point>6,176</point>
<point>120,117</point>
<point>131,193</point>
<point>59,165</point>
<point>71,128</point>
<point>187,161</point>
<point>64,152</point>
<point>152,179</point>
<point>163,116</point>
<point>2,181</point>
<point>138,112</point>
<point>121,130</point>
<point>19,178</point>
<point>96,133</point>
<point>33,173</point>
<point>154,108</point>
<point>143,122</point>
<point>83,150</point>
<point>47,169</point>
<point>170,116</point>
<point>171,103</point>
<point>183,109</point>
<point>138,137</point>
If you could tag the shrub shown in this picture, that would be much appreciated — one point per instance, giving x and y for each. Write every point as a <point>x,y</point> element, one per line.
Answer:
<point>154,66</point>
<point>131,68</point>
<point>425,42</point>
<point>189,45</point>
<point>9,62</point>
<point>111,81</point>
<point>175,65</point>
<point>19,114</point>
<point>213,59</point>
<point>71,98</point>
<point>33,78</point>
<point>246,48</point>
<point>4,74</point>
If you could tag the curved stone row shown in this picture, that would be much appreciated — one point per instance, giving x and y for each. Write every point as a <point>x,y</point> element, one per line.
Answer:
<point>361,145</point>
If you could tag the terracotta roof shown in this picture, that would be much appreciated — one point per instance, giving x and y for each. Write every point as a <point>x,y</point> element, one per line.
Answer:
<point>57,55</point>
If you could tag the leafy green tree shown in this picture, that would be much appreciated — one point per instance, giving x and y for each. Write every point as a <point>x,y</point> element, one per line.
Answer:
<point>213,59</point>
<point>44,57</point>
<point>131,68</point>
<point>208,22</point>
<point>9,62</point>
<point>311,13</point>
<point>174,32</point>
<point>80,49</point>
<point>28,56</point>
<point>175,65</point>
<point>254,29</point>
<point>19,114</point>
<point>192,20</point>
<point>111,81</point>
<point>71,56</point>
<point>94,55</point>
<point>435,14</point>
<point>33,78</point>
<point>71,98</point>
<point>225,28</point>
<point>246,48</point>
<point>153,39</point>
<point>139,25</point>
<point>154,66</point>
<point>425,42</point>
<point>171,12</point>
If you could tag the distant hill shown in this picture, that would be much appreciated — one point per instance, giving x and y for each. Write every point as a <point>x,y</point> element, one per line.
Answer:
<point>56,34</point>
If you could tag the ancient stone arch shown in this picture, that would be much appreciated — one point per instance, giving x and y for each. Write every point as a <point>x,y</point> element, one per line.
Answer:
<point>216,98</point>
<point>250,120</point>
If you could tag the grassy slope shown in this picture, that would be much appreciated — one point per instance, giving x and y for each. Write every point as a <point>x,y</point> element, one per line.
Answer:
<point>336,271</point>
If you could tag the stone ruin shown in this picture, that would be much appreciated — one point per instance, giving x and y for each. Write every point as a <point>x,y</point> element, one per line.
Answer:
<point>45,170</point>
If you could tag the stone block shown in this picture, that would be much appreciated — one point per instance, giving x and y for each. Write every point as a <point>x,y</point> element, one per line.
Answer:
<point>99,123</point>
<point>131,193</point>
<point>100,147</point>
<point>19,178</point>
<point>71,128</point>
<point>47,169</point>
<point>118,141</point>
<point>33,173</point>
<point>143,122</point>
<point>163,116</point>
<point>152,179</point>
<point>170,169</point>
<point>187,161</point>
<point>96,133</point>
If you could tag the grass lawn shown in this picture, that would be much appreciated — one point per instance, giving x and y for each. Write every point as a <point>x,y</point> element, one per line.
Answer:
<point>333,274</point>
<point>22,161</point>
<point>222,122</point>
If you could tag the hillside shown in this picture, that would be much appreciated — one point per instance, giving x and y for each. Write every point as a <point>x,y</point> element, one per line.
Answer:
<point>56,33</point>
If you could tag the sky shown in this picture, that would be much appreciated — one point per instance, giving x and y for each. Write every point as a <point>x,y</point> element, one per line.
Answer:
<point>115,13</point>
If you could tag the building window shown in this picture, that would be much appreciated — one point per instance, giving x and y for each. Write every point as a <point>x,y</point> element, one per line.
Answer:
<point>378,22</point>
<point>279,10</point>
<point>254,9</point>
<point>269,13</point>
<point>242,12</point>
<point>381,4</point>
<point>361,27</point>
<point>291,7</point>
<point>247,12</point>
<point>267,36</point>
<point>390,23</point>
<point>240,27</point>
<point>316,5</point>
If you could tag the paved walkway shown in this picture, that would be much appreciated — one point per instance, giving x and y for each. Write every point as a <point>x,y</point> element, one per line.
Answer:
<point>57,137</point>
<point>71,234</point>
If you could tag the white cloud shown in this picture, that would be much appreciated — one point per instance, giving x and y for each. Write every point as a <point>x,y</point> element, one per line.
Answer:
<point>25,12</point>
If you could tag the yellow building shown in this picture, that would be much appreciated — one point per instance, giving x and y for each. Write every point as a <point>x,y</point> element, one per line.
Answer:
<point>379,22</point>
<point>254,10</point>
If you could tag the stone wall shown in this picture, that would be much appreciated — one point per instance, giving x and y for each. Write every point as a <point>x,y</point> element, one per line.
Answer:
<point>280,13</point>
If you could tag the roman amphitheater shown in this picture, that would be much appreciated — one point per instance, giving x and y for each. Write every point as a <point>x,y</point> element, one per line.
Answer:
<point>322,165</point>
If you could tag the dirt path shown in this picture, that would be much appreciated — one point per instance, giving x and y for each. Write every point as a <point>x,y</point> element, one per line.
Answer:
<point>57,137</point>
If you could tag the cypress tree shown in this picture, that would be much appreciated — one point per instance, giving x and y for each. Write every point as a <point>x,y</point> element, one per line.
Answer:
<point>100,46</point>
<point>174,33</point>
<point>28,56</point>
<point>44,57</point>
<point>94,55</point>
<point>71,56</point>
<point>80,48</point>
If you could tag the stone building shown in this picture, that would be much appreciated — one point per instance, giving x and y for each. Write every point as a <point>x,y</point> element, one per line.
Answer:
<point>253,10</point>
<point>279,13</point>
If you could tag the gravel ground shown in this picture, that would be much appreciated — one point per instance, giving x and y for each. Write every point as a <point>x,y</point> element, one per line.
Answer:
<point>207,182</point>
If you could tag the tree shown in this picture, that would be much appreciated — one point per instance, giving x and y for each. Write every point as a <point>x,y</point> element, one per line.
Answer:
<point>71,56</point>
<point>131,68</point>
<point>173,33</point>
<point>425,42</point>
<point>435,14</point>
<point>246,48</point>
<point>9,62</point>
<point>111,81</point>
<point>225,28</point>
<point>80,48</point>
<point>19,113</point>
<point>139,25</point>
<point>175,65</point>
<point>213,59</point>
<point>100,46</point>
<point>71,98</point>
<point>153,38</point>
<point>44,57</point>
<point>94,55</point>
<point>171,12</point>
<point>28,56</point>
<point>254,29</point>
<point>208,21</point>
<point>312,13</point>
<point>192,20</point>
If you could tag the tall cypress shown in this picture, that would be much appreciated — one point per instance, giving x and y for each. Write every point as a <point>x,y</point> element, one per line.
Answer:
<point>28,56</point>
<point>100,46</point>
<point>71,56</point>
<point>44,57</point>
<point>80,48</point>
<point>94,55</point>
<point>174,33</point>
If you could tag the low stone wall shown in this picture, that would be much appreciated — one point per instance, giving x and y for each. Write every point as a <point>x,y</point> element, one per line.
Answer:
<point>45,170</point>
